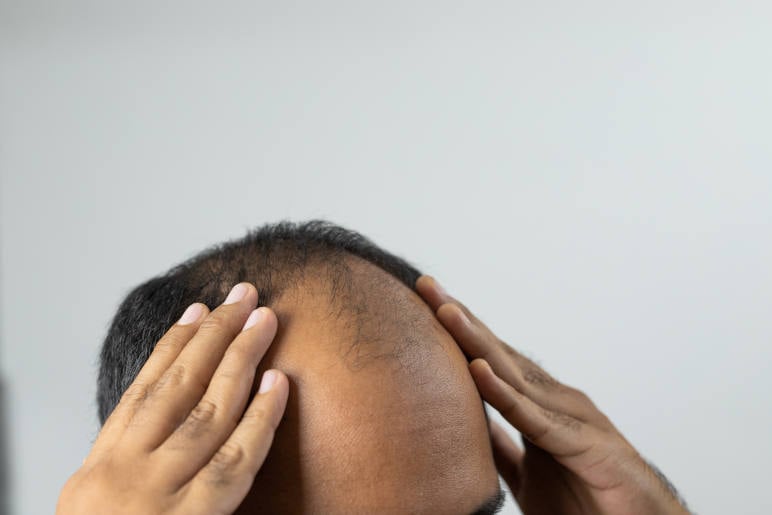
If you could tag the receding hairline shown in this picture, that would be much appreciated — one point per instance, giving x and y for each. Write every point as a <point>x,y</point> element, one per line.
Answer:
<point>373,315</point>
<point>275,257</point>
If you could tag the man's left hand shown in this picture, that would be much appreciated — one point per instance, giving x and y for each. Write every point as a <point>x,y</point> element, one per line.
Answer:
<point>574,460</point>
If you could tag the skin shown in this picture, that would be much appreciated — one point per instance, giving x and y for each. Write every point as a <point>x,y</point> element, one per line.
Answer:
<point>177,442</point>
<point>574,461</point>
<point>393,424</point>
<point>379,427</point>
<point>388,428</point>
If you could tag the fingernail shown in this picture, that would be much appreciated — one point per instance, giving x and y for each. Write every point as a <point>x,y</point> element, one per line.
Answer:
<point>269,378</point>
<point>191,314</point>
<point>254,318</point>
<point>237,293</point>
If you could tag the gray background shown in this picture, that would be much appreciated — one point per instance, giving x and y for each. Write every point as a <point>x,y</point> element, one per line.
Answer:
<point>593,178</point>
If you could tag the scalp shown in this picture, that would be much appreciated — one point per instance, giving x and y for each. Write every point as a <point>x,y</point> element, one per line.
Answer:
<point>370,316</point>
<point>285,261</point>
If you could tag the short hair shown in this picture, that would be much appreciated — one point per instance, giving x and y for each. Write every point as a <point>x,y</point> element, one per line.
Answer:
<point>274,257</point>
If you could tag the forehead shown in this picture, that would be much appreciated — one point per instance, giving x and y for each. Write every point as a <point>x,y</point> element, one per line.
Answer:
<point>382,415</point>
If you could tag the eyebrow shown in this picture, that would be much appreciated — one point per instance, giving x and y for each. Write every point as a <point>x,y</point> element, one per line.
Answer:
<point>493,505</point>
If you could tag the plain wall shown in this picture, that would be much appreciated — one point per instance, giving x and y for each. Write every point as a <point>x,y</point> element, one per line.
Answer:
<point>592,178</point>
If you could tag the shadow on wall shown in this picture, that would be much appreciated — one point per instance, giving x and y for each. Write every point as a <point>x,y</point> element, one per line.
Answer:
<point>5,503</point>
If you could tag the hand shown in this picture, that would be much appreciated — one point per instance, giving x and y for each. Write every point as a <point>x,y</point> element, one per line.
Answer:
<point>180,441</point>
<point>574,460</point>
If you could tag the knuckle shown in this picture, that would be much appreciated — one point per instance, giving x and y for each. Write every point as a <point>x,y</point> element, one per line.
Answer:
<point>538,377</point>
<point>539,435</point>
<point>562,419</point>
<point>136,392</point>
<point>174,376</point>
<point>225,463</point>
<point>216,322</point>
<point>171,341</point>
<point>200,419</point>
<point>260,417</point>
<point>204,411</point>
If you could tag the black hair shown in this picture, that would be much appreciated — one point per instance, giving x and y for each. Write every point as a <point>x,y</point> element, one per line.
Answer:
<point>274,257</point>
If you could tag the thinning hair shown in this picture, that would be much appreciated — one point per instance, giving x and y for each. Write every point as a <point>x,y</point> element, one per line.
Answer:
<point>274,257</point>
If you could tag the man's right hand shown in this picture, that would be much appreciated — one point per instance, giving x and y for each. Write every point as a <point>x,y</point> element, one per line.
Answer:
<point>180,440</point>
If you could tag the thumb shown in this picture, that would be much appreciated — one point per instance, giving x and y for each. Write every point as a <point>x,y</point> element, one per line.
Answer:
<point>508,457</point>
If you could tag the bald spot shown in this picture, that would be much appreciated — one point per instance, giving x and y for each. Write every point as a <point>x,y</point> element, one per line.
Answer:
<point>382,416</point>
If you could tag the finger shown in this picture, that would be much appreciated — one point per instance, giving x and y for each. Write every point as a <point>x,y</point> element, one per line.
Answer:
<point>213,419</point>
<point>435,295</point>
<point>557,433</point>
<point>224,482</point>
<point>508,457</point>
<point>476,340</point>
<point>594,455</point>
<point>182,385</point>
<point>431,291</point>
<point>164,353</point>
<point>472,335</point>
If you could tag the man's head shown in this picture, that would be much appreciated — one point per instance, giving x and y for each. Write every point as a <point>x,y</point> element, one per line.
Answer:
<point>382,416</point>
